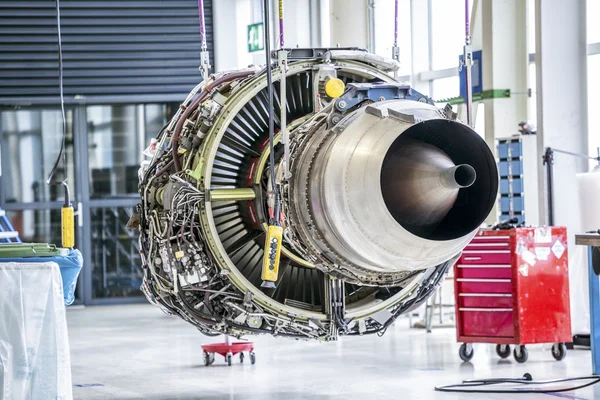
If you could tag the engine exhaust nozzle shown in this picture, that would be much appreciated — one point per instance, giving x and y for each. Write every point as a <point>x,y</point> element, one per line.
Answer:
<point>458,177</point>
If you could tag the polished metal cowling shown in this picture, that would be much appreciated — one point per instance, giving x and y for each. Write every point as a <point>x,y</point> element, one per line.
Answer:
<point>383,186</point>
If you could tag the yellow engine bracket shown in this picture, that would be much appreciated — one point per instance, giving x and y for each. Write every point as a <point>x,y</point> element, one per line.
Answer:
<point>270,269</point>
<point>68,227</point>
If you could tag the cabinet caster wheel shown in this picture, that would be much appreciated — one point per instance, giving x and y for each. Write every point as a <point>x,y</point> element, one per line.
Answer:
<point>252,357</point>
<point>466,352</point>
<point>229,358</point>
<point>503,350</point>
<point>559,351</point>
<point>520,353</point>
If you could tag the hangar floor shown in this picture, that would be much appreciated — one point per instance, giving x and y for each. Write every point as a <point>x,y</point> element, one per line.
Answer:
<point>137,352</point>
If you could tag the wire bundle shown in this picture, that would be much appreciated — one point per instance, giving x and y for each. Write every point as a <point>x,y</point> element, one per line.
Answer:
<point>470,386</point>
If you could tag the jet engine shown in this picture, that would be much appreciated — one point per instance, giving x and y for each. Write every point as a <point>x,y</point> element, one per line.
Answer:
<point>379,192</point>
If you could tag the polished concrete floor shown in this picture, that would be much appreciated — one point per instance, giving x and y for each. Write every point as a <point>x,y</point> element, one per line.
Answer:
<point>137,352</point>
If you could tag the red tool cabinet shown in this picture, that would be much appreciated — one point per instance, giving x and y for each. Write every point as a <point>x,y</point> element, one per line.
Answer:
<point>512,287</point>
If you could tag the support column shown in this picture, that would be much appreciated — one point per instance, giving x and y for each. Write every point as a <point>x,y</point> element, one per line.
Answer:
<point>505,59</point>
<point>325,23</point>
<point>562,116</point>
<point>316,26</point>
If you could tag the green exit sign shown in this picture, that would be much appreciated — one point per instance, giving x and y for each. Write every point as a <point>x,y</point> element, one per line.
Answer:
<point>256,37</point>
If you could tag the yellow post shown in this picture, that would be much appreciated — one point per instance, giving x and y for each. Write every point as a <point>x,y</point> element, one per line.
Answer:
<point>68,227</point>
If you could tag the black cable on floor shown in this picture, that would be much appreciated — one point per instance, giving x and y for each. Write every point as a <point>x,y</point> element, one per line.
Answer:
<point>527,379</point>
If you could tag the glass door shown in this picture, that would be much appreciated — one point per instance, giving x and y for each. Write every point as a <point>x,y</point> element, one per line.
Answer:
<point>116,137</point>
<point>104,148</point>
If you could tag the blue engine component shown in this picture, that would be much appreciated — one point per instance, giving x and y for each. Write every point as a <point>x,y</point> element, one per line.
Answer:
<point>358,92</point>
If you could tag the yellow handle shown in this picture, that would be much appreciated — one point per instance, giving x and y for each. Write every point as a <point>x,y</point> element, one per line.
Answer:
<point>270,269</point>
<point>68,227</point>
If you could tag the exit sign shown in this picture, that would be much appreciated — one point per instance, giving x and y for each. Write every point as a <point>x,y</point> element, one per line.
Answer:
<point>256,36</point>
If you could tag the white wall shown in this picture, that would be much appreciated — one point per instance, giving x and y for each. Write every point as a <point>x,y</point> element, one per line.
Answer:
<point>349,22</point>
<point>225,39</point>
<point>297,23</point>
<point>231,20</point>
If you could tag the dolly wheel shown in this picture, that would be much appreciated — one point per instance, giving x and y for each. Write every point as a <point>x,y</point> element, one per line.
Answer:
<point>206,357</point>
<point>229,357</point>
<point>503,350</point>
<point>521,354</point>
<point>252,357</point>
<point>241,358</point>
<point>466,352</point>
<point>559,351</point>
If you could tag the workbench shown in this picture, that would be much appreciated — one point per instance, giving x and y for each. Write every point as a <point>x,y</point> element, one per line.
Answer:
<point>592,240</point>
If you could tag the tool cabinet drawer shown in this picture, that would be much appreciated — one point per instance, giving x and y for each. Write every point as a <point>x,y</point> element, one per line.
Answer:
<point>475,246</point>
<point>489,243</point>
<point>491,239</point>
<point>488,322</point>
<point>502,271</point>
<point>485,257</point>
<point>483,285</point>
<point>485,300</point>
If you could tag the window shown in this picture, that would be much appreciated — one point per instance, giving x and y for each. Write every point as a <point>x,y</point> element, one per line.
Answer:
<point>117,136</point>
<point>531,26</point>
<point>448,32</point>
<point>480,120</point>
<point>384,31</point>
<point>446,88</point>
<point>37,226</point>
<point>31,141</point>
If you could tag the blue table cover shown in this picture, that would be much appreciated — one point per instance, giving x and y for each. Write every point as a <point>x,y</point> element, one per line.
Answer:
<point>69,265</point>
